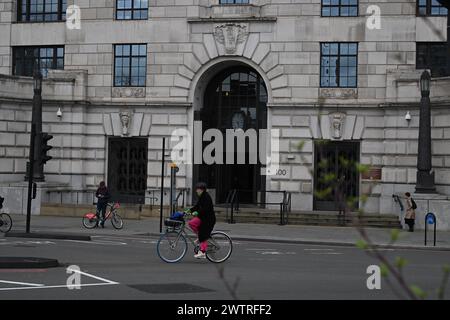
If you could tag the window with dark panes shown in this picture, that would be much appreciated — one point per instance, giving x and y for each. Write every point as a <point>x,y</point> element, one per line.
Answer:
<point>338,64</point>
<point>339,8</point>
<point>41,10</point>
<point>48,57</point>
<point>430,8</point>
<point>130,65</point>
<point>131,9</point>
<point>433,56</point>
<point>233,1</point>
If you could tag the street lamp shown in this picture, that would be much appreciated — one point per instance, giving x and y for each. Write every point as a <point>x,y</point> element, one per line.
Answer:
<point>425,178</point>
<point>425,80</point>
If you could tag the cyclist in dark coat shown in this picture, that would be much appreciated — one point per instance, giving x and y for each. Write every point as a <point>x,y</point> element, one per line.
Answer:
<point>205,209</point>
<point>103,196</point>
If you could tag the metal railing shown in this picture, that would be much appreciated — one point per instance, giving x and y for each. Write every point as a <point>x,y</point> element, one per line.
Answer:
<point>153,196</point>
<point>87,196</point>
<point>232,204</point>
<point>77,196</point>
<point>398,200</point>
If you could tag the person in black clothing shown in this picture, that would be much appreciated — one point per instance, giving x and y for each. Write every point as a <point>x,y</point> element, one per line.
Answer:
<point>205,209</point>
<point>103,196</point>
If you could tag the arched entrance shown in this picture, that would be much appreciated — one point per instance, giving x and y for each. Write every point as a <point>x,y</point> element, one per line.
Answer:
<point>235,98</point>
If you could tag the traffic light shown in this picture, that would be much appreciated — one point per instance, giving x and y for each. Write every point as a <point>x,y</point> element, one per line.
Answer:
<point>43,157</point>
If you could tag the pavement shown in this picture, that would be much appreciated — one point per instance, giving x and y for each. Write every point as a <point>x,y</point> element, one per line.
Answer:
<point>296,234</point>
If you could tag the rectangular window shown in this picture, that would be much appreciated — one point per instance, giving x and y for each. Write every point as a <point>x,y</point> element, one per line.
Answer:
<point>41,10</point>
<point>433,56</point>
<point>48,57</point>
<point>339,8</point>
<point>130,65</point>
<point>430,8</point>
<point>338,64</point>
<point>131,9</point>
<point>233,1</point>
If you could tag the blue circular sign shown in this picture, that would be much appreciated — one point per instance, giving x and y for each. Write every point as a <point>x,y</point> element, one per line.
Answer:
<point>431,219</point>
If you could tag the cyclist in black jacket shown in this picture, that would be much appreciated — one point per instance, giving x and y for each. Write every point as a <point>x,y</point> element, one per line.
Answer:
<point>205,209</point>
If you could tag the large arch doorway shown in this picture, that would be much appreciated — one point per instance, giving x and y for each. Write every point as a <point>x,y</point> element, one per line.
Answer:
<point>234,98</point>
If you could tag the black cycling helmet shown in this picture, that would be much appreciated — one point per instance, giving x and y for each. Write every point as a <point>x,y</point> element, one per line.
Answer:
<point>201,185</point>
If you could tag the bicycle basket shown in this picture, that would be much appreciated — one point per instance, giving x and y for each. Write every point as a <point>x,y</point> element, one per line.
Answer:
<point>177,216</point>
<point>172,223</point>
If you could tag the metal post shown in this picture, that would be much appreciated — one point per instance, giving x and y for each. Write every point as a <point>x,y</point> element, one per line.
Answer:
<point>434,233</point>
<point>430,214</point>
<point>281,214</point>
<point>173,187</point>
<point>30,175</point>
<point>162,185</point>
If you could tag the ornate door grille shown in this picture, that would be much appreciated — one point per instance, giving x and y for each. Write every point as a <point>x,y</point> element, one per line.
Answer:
<point>127,169</point>
<point>335,161</point>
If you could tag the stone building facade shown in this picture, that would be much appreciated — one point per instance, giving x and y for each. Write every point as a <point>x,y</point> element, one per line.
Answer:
<point>188,44</point>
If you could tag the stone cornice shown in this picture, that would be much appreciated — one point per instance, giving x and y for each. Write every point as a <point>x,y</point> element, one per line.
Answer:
<point>240,19</point>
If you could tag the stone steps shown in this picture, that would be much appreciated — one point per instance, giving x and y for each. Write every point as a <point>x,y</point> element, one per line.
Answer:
<point>265,216</point>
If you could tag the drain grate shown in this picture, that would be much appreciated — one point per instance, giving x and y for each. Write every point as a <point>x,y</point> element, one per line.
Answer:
<point>168,288</point>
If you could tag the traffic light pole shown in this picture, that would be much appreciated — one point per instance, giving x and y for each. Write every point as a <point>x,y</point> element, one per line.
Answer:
<point>37,120</point>
<point>30,175</point>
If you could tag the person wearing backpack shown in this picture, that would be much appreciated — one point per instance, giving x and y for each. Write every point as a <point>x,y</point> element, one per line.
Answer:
<point>410,215</point>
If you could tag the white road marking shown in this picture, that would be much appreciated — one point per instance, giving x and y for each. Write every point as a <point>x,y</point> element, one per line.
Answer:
<point>318,249</point>
<point>28,286</point>
<point>92,276</point>
<point>61,286</point>
<point>27,242</point>
<point>322,253</point>
<point>100,242</point>
<point>22,283</point>
<point>120,238</point>
<point>271,252</point>
<point>251,249</point>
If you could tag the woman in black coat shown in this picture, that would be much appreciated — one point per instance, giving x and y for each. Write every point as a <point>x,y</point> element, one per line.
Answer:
<point>205,209</point>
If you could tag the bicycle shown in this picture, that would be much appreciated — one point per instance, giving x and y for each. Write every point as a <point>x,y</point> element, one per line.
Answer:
<point>173,243</point>
<point>91,220</point>
<point>5,219</point>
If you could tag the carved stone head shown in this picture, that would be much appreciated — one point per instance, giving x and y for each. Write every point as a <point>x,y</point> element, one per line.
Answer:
<point>125,119</point>
<point>337,125</point>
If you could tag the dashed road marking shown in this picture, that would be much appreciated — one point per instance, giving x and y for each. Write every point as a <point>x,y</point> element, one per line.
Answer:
<point>99,242</point>
<point>326,253</point>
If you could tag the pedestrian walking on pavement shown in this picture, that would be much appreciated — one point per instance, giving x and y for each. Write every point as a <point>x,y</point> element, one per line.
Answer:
<point>204,225</point>
<point>410,215</point>
<point>103,196</point>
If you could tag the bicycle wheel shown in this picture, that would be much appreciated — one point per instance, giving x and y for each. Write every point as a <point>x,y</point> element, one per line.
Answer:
<point>172,247</point>
<point>90,223</point>
<point>5,222</point>
<point>220,247</point>
<point>117,221</point>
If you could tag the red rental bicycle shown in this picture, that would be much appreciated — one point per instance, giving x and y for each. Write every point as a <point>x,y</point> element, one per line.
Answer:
<point>91,220</point>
